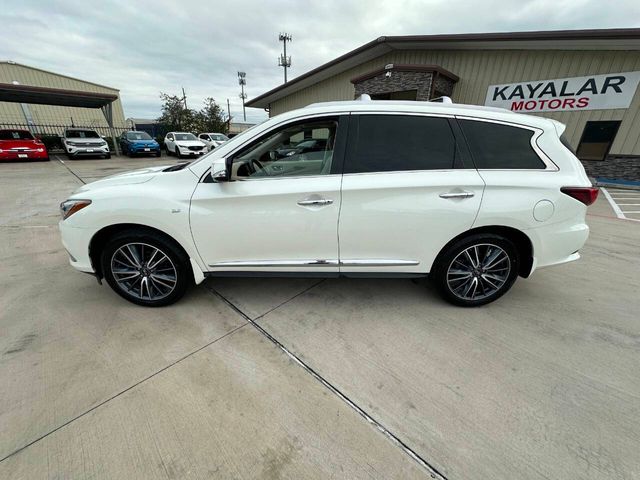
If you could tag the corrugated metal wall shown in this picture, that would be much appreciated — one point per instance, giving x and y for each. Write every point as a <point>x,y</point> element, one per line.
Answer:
<point>478,69</point>
<point>50,114</point>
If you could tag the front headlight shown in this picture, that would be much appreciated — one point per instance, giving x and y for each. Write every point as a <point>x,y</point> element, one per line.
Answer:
<point>70,207</point>
<point>70,143</point>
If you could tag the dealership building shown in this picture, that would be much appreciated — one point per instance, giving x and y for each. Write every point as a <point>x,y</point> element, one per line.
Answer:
<point>586,79</point>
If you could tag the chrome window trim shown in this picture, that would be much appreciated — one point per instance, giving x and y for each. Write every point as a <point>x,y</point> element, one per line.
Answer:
<point>550,166</point>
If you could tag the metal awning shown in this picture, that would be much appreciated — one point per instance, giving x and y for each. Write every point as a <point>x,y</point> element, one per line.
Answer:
<point>54,96</point>
<point>17,93</point>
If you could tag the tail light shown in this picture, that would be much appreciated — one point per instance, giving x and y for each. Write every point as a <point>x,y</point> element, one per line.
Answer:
<point>586,195</point>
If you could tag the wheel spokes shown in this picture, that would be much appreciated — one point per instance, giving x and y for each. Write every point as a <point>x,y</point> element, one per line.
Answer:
<point>143,271</point>
<point>479,271</point>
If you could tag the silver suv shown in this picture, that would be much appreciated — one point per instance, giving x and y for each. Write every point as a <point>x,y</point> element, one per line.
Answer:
<point>84,142</point>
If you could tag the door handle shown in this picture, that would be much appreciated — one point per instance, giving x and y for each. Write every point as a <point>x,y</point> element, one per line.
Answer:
<point>315,202</point>
<point>457,195</point>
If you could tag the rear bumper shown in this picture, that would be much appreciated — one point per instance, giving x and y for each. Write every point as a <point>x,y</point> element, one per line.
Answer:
<point>557,244</point>
<point>13,156</point>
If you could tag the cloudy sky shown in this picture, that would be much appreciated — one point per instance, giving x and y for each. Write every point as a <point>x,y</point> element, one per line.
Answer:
<point>143,47</point>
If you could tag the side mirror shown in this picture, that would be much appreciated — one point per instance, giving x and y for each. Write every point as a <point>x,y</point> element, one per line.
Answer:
<point>219,172</point>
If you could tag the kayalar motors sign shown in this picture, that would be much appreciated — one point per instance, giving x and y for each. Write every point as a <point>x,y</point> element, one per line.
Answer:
<point>595,92</point>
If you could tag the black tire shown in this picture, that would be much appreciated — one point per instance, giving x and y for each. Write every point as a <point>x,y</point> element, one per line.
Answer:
<point>158,153</point>
<point>177,265</point>
<point>177,152</point>
<point>108,155</point>
<point>487,281</point>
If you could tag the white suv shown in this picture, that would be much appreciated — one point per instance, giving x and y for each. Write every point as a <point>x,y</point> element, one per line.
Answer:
<point>473,197</point>
<point>213,140</point>
<point>184,144</point>
<point>78,142</point>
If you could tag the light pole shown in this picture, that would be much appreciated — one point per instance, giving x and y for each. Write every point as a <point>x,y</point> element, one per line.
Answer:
<point>284,61</point>
<point>242,81</point>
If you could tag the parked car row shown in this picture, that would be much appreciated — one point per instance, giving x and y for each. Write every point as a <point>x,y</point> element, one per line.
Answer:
<point>18,144</point>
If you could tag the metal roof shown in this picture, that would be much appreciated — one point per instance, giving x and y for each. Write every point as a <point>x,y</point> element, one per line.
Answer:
<point>604,39</point>
<point>54,96</point>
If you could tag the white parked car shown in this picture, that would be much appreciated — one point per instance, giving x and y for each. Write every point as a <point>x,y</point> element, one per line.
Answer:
<point>79,142</point>
<point>471,196</point>
<point>213,140</point>
<point>184,144</point>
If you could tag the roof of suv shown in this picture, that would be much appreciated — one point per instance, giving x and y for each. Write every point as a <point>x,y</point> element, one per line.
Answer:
<point>439,108</point>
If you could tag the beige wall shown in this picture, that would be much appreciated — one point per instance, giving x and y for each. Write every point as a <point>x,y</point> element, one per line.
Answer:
<point>478,69</point>
<point>49,114</point>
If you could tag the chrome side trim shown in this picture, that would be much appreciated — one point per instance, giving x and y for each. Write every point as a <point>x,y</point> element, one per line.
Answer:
<point>278,263</point>
<point>318,263</point>
<point>378,263</point>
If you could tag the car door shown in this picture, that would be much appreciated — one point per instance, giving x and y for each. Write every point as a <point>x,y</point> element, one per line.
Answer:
<point>408,189</point>
<point>169,142</point>
<point>278,213</point>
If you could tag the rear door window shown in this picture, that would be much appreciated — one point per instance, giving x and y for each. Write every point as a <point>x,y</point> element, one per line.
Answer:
<point>386,143</point>
<point>503,147</point>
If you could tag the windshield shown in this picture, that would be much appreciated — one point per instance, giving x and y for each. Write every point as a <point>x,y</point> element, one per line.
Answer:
<point>15,135</point>
<point>82,134</point>
<point>219,137</point>
<point>185,136</point>
<point>138,136</point>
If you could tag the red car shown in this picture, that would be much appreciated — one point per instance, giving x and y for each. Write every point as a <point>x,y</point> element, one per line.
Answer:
<point>21,145</point>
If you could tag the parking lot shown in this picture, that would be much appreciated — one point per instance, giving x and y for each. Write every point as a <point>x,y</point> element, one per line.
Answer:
<point>308,378</point>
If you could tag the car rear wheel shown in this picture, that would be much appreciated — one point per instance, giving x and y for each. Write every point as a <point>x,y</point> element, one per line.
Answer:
<point>146,268</point>
<point>476,270</point>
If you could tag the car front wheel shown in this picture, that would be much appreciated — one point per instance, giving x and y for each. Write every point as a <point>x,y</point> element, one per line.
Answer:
<point>146,268</point>
<point>476,270</point>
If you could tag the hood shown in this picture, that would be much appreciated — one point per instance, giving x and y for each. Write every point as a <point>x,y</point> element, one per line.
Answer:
<point>190,143</point>
<point>144,142</point>
<point>85,141</point>
<point>128,178</point>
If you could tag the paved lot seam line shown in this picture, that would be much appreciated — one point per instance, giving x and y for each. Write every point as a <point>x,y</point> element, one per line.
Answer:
<point>70,171</point>
<point>433,471</point>
<point>95,407</point>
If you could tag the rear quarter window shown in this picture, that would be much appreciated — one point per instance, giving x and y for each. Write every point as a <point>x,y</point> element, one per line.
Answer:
<point>503,147</point>
<point>384,143</point>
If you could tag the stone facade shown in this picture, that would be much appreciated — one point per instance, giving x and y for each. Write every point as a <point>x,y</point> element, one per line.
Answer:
<point>394,81</point>
<point>625,167</point>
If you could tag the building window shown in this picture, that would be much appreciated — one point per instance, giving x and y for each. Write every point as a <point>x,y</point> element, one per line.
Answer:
<point>401,95</point>
<point>597,139</point>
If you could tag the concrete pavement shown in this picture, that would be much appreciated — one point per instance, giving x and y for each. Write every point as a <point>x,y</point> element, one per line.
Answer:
<point>541,384</point>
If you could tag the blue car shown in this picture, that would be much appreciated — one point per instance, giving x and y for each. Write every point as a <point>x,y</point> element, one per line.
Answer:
<point>138,143</point>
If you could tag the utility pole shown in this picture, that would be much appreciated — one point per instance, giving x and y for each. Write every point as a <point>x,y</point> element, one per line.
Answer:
<point>284,61</point>
<point>242,81</point>
<point>228,117</point>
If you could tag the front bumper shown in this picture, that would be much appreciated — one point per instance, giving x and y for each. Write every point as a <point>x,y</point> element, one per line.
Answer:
<point>141,149</point>
<point>76,242</point>
<point>185,152</point>
<point>87,151</point>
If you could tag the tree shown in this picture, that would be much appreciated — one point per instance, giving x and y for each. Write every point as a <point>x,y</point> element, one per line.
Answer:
<point>211,117</point>
<point>175,117</point>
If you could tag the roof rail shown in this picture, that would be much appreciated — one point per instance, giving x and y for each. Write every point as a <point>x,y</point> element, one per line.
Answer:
<point>442,99</point>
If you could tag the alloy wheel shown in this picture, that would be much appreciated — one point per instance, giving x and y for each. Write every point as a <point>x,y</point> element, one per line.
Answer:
<point>143,271</point>
<point>478,272</point>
